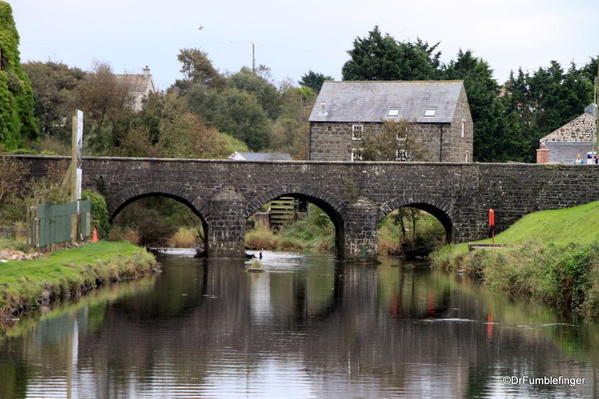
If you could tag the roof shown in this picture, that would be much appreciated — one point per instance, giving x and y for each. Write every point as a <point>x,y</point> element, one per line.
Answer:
<point>370,101</point>
<point>579,130</point>
<point>136,83</point>
<point>259,156</point>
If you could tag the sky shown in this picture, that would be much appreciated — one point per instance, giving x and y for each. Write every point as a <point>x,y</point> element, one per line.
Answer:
<point>293,37</point>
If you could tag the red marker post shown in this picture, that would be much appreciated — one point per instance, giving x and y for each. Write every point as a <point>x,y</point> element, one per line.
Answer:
<point>492,223</point>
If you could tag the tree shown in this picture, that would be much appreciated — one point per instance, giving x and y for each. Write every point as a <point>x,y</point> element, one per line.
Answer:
<point>541,102</point>
<point>198,70</point>
<point>17,120</point>
<point>381,57</point>
<point>266,93</point>
<point>395,141</point>
<point>493,139</point>
<point>55,88</point>
<point>107,105</point>
<point>313,80</point>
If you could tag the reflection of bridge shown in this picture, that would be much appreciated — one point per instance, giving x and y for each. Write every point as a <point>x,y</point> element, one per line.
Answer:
<point>356,196</point>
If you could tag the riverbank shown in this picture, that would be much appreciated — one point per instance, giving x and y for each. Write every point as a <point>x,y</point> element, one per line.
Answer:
<point>71,272</point>
<point>552,256</point>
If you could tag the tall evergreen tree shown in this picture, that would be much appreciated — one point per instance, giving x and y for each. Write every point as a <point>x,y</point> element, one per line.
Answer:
<point>493,140</point>
<point>313,80</point>
<point>17,121</point>
<point>381,57</point>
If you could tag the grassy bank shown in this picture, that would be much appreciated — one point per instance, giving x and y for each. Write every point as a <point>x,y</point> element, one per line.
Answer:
<point>551,255</point>
<point>70,272</point>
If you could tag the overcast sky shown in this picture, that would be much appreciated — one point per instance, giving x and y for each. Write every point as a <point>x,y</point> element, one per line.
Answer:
<point>292,37</point>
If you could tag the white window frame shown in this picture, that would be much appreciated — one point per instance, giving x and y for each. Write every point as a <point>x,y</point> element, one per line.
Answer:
<point>356,154</point>
<point>463,128</point>
<point>402,155</point>
<point>356,132</point>
<point>427,110</point>
<point>401,139</point>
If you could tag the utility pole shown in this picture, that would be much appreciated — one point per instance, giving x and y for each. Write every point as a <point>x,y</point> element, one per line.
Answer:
<point>253,59</point>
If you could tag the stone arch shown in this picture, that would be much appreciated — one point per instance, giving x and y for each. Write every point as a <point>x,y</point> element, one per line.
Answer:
<point>328,202</point>
<point>178,192</point>
<point>440,208</point>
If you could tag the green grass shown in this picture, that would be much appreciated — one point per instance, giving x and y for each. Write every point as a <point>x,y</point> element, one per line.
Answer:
<point>69,272</point>
<point>551,255</point>
<point>579,224</point>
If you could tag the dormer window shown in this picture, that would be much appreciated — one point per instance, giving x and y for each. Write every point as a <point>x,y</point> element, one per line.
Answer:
<point>393,113</point>
<point>430,112</point>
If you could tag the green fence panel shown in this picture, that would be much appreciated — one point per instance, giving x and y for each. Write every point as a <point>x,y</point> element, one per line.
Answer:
<point>85,220</point>
<point>52,223</point>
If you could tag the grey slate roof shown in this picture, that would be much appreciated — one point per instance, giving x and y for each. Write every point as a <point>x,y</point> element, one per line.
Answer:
<point>259,156</point>
<point>370,101</point>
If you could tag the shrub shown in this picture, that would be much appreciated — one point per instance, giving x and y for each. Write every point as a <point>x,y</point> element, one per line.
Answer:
<point>99,211</point>
<point>185,237</point>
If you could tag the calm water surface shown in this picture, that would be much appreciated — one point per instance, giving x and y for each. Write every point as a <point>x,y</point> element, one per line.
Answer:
<point>305,328</point>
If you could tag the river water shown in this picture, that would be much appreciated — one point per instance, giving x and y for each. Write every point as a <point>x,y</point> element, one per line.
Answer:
<point>307,327</point>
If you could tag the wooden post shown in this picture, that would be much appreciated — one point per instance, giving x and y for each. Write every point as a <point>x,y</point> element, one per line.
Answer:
<point>76,144</point>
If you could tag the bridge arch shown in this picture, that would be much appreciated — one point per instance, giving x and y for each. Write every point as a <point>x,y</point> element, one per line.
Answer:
<point>179,193</point>
<point>440,208</point>
<point>329,203</point>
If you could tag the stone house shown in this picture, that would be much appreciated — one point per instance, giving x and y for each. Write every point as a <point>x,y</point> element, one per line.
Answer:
<point>345,111</point>
<point>574,138</point>
<point>139,86</point>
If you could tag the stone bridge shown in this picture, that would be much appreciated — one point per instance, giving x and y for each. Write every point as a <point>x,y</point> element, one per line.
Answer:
<point>355,195</point>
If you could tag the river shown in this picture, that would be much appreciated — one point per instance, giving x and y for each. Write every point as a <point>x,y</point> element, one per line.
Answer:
<point>307,327</point>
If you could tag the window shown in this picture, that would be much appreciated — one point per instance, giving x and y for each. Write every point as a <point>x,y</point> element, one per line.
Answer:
<point>393,113</point>
<point>463,127</point>
<point>430,112</point>
<point>402,138</point>
<point>356,154</point>
<point>356,132</point>
<point>467,156</point>
<point>402,155</point>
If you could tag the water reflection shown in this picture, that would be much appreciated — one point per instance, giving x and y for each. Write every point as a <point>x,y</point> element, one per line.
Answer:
<point>307,326</point>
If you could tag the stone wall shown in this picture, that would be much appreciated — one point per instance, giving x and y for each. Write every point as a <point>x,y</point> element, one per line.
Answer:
<point>460,146</point>
<point>333,141</point>
<point>355,195</point>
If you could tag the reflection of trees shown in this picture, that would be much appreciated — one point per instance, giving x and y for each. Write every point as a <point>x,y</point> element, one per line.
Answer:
<point>339,322</point>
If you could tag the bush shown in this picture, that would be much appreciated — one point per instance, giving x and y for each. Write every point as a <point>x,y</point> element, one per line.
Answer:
<point>99,211</point>
<point>185,237</point>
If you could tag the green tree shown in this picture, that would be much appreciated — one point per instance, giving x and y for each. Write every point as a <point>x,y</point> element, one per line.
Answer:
<point>381,57</point>
<point>198,70</point>
<point>108,109</point>
<point>232,111</point>
<point>493,138</point>
<point>265,92</point>
<point>541,102</point>
<point>17,120</point>
<point>167,128</point>
<point>55,91</point>
<point>313,80</point>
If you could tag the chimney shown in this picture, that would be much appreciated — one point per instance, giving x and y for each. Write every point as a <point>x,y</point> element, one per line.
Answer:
<point>542,154</point>
<point>323,108</point>
<point>591,109</point>
<point>147,72</point>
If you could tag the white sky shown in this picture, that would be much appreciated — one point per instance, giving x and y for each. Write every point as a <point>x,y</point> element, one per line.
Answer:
<point>292,37</point>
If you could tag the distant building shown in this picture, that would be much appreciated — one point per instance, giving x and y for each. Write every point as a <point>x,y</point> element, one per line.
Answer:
<point>139,86</point>
<point>574,138</point>
<point>259,156</point>
<point>345,111</point>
